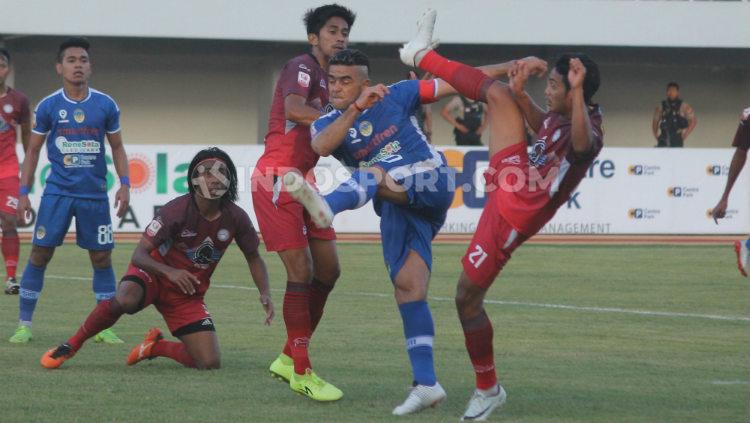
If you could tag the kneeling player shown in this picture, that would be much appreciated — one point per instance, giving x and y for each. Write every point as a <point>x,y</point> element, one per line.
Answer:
<point>525,189</point>
<point>171,269</point>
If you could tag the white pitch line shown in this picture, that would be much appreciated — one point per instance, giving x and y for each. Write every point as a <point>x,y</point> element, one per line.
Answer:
<point>512,303</point>
<point>730,382</point>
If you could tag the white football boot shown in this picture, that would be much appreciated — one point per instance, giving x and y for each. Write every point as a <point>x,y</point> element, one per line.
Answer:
<point>413,51</point>
<point>482,404</point>
<point>421,397</point>
<point>314,203</point>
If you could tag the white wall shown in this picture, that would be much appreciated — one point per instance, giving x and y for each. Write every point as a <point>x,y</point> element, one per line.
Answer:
<point>530,22</point>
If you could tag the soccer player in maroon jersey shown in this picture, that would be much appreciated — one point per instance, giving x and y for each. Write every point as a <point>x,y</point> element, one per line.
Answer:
<point>742,143</point>
<point>172,266</point>
<point>525,189</point>
<point>308,252</point>
<point>14,112</point>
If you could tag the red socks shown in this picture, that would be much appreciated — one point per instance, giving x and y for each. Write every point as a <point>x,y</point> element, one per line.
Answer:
<point>318,298</point>
<point>468,81</point>
<point>104,316</point>
<point>10,248</point>
<point>478,335</point>
<point>298,327</point>
<point>174,350</point>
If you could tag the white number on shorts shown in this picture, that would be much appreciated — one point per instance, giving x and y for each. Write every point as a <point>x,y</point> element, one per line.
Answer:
<point>12,202</point>
<point>104,235</point>
<point>477,257</point>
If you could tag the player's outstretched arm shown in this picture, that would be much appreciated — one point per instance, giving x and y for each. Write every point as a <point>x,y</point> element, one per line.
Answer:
<point>30,161</point>
<point>297,110</point>
<point>738,162</point>
<point>120,157</point>
<point>582,134</point>
<point>259,272</point>
<point>184,280</point>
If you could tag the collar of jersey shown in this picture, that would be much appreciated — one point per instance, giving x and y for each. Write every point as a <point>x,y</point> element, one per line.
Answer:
<point>88,96</point>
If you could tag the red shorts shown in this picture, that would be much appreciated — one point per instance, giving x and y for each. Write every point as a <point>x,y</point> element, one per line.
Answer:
<point>282,221</point>
<point>491,246</point>
<point>9,195</point>
<point>179,310</point>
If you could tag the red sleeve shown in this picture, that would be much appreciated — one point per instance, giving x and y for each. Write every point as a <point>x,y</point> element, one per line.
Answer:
<point>296,78</point>
<point>427,91</point>
<point>245,235</point>
<point>25,112</point>
<point>742,136</point>
<point>164,225</point>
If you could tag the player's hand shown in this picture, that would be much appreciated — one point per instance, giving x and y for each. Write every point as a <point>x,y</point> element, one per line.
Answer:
<point>370,96</point>
<point>24,209</point>
<point>720,210</point>
<point>122,200</point>
<point>461,128</point>
<point>267,303</point>
<point>535,66</point>
<point>186,281</point>
<point>518,75</point>
<point>576,74</point>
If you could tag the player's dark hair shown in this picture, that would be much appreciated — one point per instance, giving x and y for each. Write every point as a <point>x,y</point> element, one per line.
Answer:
<point>315,19</point>
<point>673,84</point>
<point>72,42</point>
<point>216,153</point>
<point>350,57</point>
<point>5,53</point>
<point>591,80</point>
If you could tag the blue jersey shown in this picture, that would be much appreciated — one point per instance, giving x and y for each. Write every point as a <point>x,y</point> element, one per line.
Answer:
<point>387,135</point>
<point>75,133</point>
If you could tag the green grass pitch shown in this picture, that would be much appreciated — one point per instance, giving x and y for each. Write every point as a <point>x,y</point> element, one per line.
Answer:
<point>605,359</point>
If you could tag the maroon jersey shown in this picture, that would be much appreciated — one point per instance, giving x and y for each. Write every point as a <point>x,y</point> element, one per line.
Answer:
<point>288,143</point>
<point>742,136</point>
<point>184,239</point>
<point>529,196</point>
<point>14,110</point>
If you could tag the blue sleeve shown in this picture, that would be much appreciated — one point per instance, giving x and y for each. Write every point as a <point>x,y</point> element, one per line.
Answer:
<point>322,123</point>
<point>406,94</point>
<point>112,124</point>
<point>42,123</point>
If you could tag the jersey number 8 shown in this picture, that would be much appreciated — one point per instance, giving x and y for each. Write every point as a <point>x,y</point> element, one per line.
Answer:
<point>104,235</point>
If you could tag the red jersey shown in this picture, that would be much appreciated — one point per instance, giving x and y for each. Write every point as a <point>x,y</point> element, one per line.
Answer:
<point>532,187</point>
<point>288,143</point>
<point>14,110</point>
<point>184,239</point>
<point>742,136</point>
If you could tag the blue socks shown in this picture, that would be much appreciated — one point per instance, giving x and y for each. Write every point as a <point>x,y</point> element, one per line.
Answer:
<point>747,243</point>
<point>354,193</point>
<point>104,283</point>
<point>32,282</point>
<point>419,332</point>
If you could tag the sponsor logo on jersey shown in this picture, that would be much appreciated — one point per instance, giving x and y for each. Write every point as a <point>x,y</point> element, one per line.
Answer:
<point>514,160</point>
<point>223,235</point>
<point>303,79</point>
<point>153,228</point>
<point>187,233</point>
<point>8,108</point>
<point>205,254</point>
<point>77,147</point>
<point>63,114</point>
<point>79,116</point>
<point>70,160</point>
<point>365,128</point>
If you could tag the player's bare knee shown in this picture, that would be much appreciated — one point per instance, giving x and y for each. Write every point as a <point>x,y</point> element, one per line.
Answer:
<point>41,256</point>
<point>128,303</point>
<point>499,94</point>
<point>208,363</point>
<point>101,259</point>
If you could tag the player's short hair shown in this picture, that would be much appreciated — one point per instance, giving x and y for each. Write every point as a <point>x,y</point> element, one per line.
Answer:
<point>216,153</point>
<point>72,42</point>
<point>315,19</point>
<point>5,53</point>
<point>590,82</point>
<point>350,57</point>
<point>673,84</point>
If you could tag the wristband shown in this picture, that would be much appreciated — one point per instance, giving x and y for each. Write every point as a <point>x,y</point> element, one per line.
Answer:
<point>24,190</point>
<point>125,181</point>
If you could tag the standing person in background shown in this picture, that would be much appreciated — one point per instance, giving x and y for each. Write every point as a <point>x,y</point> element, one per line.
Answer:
<point>467,118</point>
<point>673,120</point>
<point>742,144</point>
<point>14,113</point>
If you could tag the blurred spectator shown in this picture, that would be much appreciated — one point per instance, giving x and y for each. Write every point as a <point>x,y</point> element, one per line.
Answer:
<point>468,120</point>
<point>424,112</point>
<point>673,120</point>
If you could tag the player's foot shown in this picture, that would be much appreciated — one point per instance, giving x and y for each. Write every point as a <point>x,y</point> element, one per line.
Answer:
<point>314,387</point>
<point>421,397</point>
<point>314,203</point>
<point>142,351</point>
<point>22,335</point>
<point>282,368</point>
<point>12,286</point>
<point>482,403</point>
<point>108,337</point>
<point>743,256</point>
<point>413,51</point>
<point>55,357</point>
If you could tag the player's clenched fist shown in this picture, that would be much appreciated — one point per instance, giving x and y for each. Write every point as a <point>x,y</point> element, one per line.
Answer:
<point>576,74</point>
<point>370,96</point>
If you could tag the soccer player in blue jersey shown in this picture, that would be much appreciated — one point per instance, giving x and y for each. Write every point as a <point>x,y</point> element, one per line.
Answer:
<point>373,129</point>
<point>73,122</point>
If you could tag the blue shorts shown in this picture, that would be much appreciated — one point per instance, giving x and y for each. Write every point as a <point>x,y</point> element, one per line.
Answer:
<point>413,226</point>
<point>93,222</point>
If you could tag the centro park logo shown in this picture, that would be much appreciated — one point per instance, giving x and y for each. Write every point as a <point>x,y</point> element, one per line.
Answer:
<point>643,170</point>
<point>682,192</point>
<point>717,170</point>
<point>643,214</point>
